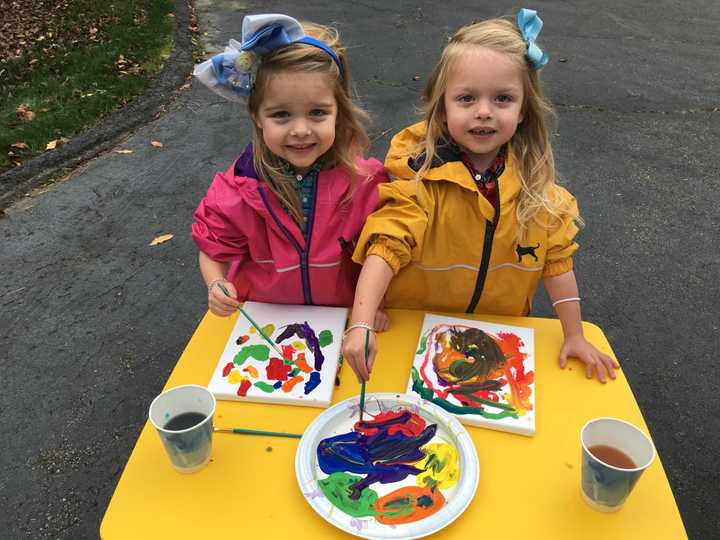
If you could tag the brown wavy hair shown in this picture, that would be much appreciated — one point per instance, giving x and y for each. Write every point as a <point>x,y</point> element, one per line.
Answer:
<point>351,139</point>
<point>529,147</point>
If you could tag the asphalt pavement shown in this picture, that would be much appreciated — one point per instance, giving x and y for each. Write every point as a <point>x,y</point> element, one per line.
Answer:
<point>93,319</point>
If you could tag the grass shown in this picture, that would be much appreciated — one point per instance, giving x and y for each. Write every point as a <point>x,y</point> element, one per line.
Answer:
<point>91,58</point>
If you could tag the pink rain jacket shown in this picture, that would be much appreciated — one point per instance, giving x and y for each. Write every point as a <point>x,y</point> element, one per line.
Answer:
<point>242,223</point>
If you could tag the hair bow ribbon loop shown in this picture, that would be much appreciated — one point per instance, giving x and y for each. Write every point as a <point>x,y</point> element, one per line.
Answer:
<point>530,25</point>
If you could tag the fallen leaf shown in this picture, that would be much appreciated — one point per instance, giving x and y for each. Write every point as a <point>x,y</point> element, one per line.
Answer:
<point>20,145</point>
<point>123,151</point>
<point>156,144</point>
<point>160,239</point>
<point>51,145</point>
<point>23,113</point>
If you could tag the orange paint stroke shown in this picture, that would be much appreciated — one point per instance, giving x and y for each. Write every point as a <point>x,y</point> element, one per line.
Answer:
<point>252,370</point>
<point>302,363</point>
<point>290,383</point>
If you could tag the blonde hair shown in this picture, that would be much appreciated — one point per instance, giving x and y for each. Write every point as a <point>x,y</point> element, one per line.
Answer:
<point>351,139</point>
<point>529,147</point>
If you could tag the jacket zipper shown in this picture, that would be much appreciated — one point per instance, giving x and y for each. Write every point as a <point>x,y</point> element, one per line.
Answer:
<point>302,253</point>
<point>490,227</point>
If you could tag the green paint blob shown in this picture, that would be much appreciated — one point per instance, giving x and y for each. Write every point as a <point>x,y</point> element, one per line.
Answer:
<point>259,352</point>
<point>427,394</point>
<point>336,488</point>
<point>268,329</point>
<point>325,338</point>
<point>423,344</point>
<point>294,372</point>
<point>265,387</point>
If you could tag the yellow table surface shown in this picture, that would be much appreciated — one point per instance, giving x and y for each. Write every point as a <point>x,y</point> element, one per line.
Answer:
<point>529,486</point>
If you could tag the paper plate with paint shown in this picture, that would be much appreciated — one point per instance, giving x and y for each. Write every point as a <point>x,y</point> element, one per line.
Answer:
<point>406,471</point>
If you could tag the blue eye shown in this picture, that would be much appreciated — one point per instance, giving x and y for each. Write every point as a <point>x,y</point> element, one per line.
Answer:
<point>318,112</point>
<point>467,98</point>
<point>504,98</point>
<point>280,114</point>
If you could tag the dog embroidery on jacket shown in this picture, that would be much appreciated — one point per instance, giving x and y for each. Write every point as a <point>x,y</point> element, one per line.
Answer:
<point>526,250</point>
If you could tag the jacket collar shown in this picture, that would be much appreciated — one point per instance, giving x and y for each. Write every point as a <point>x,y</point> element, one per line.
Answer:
<point>447,164</point>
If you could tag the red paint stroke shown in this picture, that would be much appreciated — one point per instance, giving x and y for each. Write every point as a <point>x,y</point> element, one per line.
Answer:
<point>290,383</point>
<point>408,504</point>
<point>412,427</point>
<point>227,369</point>
<point>277,370</point>
<point>288,351</point>
<point>244,387</point>
<point>301,363</point>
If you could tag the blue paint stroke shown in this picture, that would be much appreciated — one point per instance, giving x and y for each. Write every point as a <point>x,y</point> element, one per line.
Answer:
<point>312,383</point>
<point>383,457</point>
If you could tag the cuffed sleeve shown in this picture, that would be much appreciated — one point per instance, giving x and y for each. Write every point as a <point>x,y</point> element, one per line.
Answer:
<point>395,231</point>
<point>561,243</point>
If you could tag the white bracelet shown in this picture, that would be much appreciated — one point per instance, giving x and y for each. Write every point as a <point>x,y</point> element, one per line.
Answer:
<point>562,300</point>
<point>215,282</point>
<point>366,326</point>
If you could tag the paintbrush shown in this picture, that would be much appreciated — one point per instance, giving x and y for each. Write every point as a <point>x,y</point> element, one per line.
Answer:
<point>256,325</point>
<point>362,386</point>
<point>243,431</point>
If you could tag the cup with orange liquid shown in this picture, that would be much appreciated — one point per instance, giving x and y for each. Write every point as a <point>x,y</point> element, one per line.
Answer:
<point>614,455</point>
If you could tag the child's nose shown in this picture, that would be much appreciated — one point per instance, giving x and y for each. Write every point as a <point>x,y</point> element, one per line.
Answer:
<point>483,109</point>
<point>300,129</point>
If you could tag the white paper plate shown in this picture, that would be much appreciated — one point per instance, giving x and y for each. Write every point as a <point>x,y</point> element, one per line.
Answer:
<point>340,419</point>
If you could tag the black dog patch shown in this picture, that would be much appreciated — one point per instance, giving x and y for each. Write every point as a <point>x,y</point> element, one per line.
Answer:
<point>526,250</point>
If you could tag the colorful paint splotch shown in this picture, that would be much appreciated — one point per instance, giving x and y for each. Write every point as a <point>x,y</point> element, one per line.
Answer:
<point>389,449</point>
<point>482,372</point>
<point>301,370</point>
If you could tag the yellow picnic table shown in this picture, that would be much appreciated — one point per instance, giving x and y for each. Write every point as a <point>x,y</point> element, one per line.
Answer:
<point>529,486</point>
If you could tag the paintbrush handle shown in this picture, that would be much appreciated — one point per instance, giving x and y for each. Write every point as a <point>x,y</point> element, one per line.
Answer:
<point>362,386</point>
<point>256,325</point>
<point>244,431</point>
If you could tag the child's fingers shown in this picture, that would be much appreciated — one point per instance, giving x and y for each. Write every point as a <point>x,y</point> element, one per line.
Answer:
<point>600,369</point>
<point>609,364</point>
<point>563,358</point>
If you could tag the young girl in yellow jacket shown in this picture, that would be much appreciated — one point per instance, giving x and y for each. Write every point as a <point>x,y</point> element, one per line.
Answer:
<point>474,217</point>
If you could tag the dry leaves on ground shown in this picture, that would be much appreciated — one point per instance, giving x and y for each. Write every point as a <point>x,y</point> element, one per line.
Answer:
<point>156,144</point>
<point>160,239</point>
<point>124,151</point>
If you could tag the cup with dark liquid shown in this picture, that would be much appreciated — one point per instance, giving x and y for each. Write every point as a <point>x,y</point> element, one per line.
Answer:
<point>614,455</point>
<point>183,417</point>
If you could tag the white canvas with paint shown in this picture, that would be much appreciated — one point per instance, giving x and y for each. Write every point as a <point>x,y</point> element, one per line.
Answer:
<point>482,372</point>
<point>309,337</point>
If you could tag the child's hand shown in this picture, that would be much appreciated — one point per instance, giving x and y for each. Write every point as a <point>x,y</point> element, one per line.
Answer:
<point>382,321</point>
<point>595,362</point>
<point>353,350</point>
<point>220,303</point>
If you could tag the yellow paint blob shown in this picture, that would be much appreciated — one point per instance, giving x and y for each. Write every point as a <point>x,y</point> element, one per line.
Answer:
<point>235,377</point>
<point>441,466</point>
<point>298,345</point>
<point>268,329</point>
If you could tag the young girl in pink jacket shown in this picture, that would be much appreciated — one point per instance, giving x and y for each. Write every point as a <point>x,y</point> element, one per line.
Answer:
<point>281,223</point>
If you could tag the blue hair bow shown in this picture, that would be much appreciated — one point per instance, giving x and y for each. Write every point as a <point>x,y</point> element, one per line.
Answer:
<point>231,73</point>
<point>530,25</point>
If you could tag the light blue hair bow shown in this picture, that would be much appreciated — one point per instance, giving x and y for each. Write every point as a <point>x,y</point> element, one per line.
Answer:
<point>530,25</point>
<point>231,74</point>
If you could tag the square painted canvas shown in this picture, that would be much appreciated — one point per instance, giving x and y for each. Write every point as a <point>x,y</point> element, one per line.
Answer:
<point>484,373</point>
<point>309,337</point>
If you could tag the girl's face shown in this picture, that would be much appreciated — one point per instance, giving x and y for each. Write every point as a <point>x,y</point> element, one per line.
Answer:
<point>483,103</point>
<point>297,117</point>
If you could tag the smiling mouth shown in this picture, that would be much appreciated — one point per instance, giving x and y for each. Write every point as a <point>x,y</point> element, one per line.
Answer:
<point>482,131</point>
<point>300,147</point>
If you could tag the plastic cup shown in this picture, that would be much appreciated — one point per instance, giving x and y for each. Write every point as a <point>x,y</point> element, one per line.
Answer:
<point>606,486</point>
<point>189,448</point>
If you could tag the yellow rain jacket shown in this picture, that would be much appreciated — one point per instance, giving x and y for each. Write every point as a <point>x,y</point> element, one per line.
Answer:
<point>448,249</point>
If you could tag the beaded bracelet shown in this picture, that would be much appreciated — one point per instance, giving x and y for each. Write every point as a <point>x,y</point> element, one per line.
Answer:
<point>366,326</point>
<point>571,299</point>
